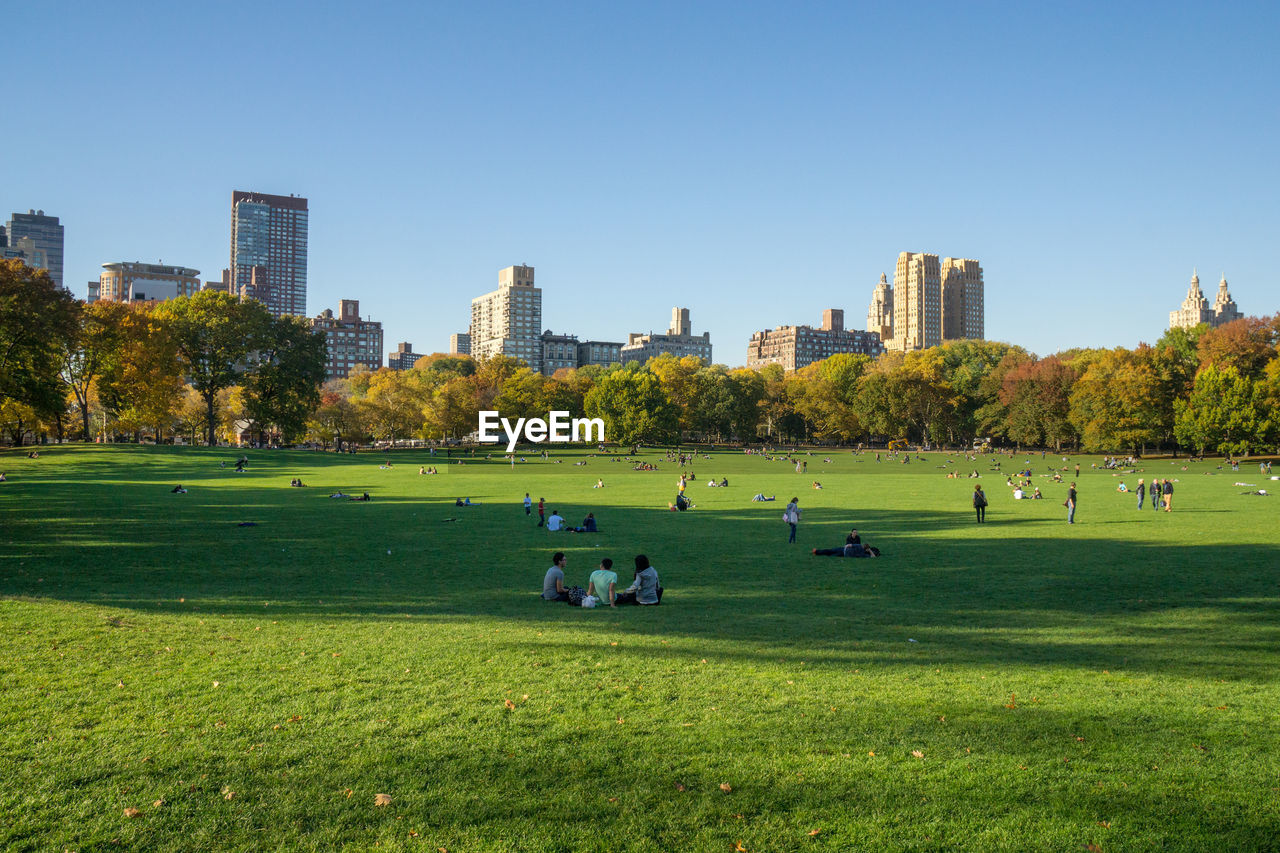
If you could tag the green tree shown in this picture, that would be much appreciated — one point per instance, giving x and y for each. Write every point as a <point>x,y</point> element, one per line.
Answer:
<point>633,407</point>
<point>284,386</point>
<point>215,335</point>
<point>1225,412</point>
<point>38,323</point>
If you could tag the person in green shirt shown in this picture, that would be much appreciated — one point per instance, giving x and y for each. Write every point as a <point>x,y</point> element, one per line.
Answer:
<point>603,583</point>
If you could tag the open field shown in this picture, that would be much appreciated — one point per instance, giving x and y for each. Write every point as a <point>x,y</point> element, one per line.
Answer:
<point>1018,685</point>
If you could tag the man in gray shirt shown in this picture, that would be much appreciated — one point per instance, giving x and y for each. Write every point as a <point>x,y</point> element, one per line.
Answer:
<point>553,582</point>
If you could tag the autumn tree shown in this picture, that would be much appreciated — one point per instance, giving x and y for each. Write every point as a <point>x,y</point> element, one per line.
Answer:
<point>38,322</point>
<point>88,353</point>
<point>1115,404</point>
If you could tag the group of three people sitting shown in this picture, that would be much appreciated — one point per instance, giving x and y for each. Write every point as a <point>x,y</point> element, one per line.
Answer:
<point>602,585</point>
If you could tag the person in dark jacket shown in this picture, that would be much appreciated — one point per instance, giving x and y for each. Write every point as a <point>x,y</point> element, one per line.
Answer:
<point>1071,504</point>
<point>1142,492</point>
<point>1155,494</point>
<point>1168,496</point>
<point>980,504</point>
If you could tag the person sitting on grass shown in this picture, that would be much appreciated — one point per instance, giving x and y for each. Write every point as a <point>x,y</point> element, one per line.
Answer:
<point>682,504</point>
<point>588,524</point>
<point>724,482</point>
<point>1,476</point>
<point>603,584</point>
<point>644,590</point>
<point>817,485</point>
<point>297,483</point>
<point>599,484</point>
<point>555,521</point>
<point>364,497</point>
<point>553,588</point>
<point>760,498</point>
<point>178,490</point>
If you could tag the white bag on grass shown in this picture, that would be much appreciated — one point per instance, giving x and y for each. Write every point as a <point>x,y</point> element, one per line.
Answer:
<point>590,601</point>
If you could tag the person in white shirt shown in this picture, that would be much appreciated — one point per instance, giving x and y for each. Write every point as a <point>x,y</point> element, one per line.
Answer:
<point>555,521</point>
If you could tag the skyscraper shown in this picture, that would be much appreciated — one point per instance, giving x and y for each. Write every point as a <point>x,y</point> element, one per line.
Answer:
<point>508,321</point>
<point>962,308</point>
<point>269,251</point>
<point>917,302</point>
<point>45,234</point>
<point>351,341</point>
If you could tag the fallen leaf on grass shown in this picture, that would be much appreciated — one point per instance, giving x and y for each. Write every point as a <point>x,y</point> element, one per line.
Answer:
<point>511,706</point>
<point>1093,848</point>
<point>1105,824</point>
<point>217,684</point>
<point>620,721</point>
<point>814,831</point>
<point>1013,700</point>
<point>679,787</point>
<point>613,799</point>
<point>227,793</point>
<point>1201,748</point>
<point>382,800</point>
<point>726,787</point>
<point>296,718</point>
<point>872,754</point>
<point>524,698</point>
<point>157,804</point>
<point>348,792</point>
<point>132,812</point>
<point>917,753</point>
<point>738,848</point>
<point>413,834</point>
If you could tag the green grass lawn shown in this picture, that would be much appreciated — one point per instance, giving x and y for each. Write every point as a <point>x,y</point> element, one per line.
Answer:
<point>1020,685</point>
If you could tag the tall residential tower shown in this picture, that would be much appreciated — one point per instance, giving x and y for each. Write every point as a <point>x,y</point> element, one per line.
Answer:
<point>45,235</point>
<point>508,321</point>
<point>269,251</point>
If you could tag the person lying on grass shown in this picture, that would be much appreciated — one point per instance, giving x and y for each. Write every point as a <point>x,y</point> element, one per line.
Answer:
<point>761,497</point>
<point>603,583</point>
<point>852,547</point>
<point>644,590</point>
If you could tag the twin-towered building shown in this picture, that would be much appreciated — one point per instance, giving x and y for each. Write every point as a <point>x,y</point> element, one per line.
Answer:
<point>930,301</point>
<point>1195,308</point>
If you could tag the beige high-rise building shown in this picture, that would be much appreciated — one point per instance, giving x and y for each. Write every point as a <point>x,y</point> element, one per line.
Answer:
<point>1195,308</point>
<point>917,302</point>
<point>962,309</point>
<point>508,321</point>
<point>880,314</point>
<point>1224,307</point>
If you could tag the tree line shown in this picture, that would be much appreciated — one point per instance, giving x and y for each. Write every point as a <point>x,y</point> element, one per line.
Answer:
<point>211,367</point>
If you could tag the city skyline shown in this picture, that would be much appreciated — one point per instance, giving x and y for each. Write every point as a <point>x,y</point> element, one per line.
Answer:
<point>1097,166</point>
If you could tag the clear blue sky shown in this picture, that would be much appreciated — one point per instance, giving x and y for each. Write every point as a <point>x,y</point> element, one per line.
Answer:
<point>754,162</point>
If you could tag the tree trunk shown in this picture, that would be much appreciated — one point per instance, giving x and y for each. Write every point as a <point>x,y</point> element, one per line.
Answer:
<point>84,416</point>
<point>209,399</point>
